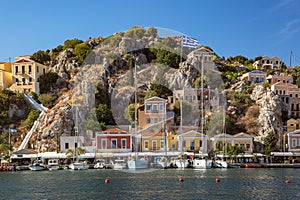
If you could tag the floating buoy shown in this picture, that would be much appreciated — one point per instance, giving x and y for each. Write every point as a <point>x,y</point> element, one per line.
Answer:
<point>181,179</point>
<point>217,180</point>
<point>287,181</point>
<point>106,180</point>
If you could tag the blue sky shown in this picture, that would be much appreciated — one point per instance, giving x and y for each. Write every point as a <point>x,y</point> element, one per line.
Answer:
<point>231,27</point>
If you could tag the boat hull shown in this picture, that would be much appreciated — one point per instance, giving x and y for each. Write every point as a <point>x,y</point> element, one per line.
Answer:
<point>78,166</point>
<point>137,164</point>
<point>220,164</point>
<point>202,164</point>
<point>36,167</point>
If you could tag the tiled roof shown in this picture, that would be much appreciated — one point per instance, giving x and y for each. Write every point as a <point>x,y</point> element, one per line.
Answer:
<point>114,130</point>
<point>22,61</point>
<point>155,99</point>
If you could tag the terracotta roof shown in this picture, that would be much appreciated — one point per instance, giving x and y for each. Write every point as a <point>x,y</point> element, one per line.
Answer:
<point>22,61</point>
<point>114,130</point>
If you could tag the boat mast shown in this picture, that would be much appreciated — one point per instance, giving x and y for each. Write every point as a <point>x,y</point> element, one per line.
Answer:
<point>202,96</point>
<point>135,109</point>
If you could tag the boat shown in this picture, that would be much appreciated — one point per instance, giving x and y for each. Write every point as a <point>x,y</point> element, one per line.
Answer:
<point>252,165</point>
<point>36,167</point>
<point>53,164</point>
<point>79,165</point>
<point>220,164</point>
<point>119,164</point>
<point>100,164</point>
<point>136,162</point>
<point>202,163</point>
<point>182,163</point>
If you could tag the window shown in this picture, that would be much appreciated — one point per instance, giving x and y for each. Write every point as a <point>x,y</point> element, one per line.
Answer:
<point>247,146</point>
<point>155,120</point>
<point>162,144</point>
<point>76,144</point>
<point>154,145</point>
<point>291,95</point>
<point>17,80</point>
<point>192,145</point>
<point>17,69</point>
<point>296,95</point>
<point>114,143</point>
<point>123,143</point>
<point>154,107</point>
<point>161,106</point>
<point>148,106</point>
<point>146,144</point>
<point>37,69</point>
<point>23,69</point>
<point>183,144</point>
<point>44,71</point>
<point>200,143</point>
<point>30,79</point>
<point>294,142</point>
<point>29,69</point>
<point>66,145</point>
<point>23,81</point>
<point>148,120</point>
<point>103,144</point>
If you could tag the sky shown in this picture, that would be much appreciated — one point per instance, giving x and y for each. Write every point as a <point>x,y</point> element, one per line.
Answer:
<point>230,27</point>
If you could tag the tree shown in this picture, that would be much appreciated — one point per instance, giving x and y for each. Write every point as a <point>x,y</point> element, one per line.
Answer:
<point>270,143</point>
<point>41,57</point>
<point>72,43</point>
<point>135,32</point>
<point>167,58</point>
<point>81,51</point>
<point>158,90</point>
<point>104,114</point>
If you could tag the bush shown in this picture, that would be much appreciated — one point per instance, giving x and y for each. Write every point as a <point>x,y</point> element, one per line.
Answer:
<point>135,32</point>
<point>47,81</point>
<point>47,100</point>
<point>72,43</point>
<point>33,115</point>
<point>81,51</point>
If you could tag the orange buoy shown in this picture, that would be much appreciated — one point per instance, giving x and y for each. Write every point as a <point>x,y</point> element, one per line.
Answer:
<point>287,181</point>
<point>181,179</point>
<point>217,180</point>
<point>106,180</point>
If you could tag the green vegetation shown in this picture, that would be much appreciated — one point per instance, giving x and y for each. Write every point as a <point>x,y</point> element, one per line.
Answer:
<point>104,114</point>
<point>47,82</point>
<point>270,143</point>
<point>129,113</point>
<point>33,115</point>
<point>135,32</point>
<point>81,51</point>
<point>71,43</point>
<point>47,100</point>
<point>41,57</point>
<point>158,90</point>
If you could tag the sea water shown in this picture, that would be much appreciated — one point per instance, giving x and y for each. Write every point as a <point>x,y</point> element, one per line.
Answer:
<point>159,184</point>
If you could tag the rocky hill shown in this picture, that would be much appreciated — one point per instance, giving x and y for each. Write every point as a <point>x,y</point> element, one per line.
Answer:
<point>105,78</point>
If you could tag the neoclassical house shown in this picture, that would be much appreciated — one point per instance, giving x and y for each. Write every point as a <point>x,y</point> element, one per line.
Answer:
<point>294,140</point>
<point>241,139</point>
<point>26,74</point>
<point>268,63</point>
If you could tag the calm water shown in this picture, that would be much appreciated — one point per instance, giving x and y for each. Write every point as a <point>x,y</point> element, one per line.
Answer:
<point>160,184</point>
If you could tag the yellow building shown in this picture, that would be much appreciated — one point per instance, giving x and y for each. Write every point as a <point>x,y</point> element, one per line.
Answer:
<point>26,74</point>
<point>5,75</point>
<point>293,124</point>
<point>192,141</point>
<point>153,142</point>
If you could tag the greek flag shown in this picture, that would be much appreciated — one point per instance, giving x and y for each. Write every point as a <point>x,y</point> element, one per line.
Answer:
<point>189,42</point>
<point>13,130</point>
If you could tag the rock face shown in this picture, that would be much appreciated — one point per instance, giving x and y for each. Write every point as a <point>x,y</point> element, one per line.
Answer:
<point>270,112</point>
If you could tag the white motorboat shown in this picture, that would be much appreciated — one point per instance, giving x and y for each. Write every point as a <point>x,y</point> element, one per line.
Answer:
<point>182,163</point>
<point>100,164</point>
<point>119,164</point>
<point>202,163</point>
<point>220,164</point>
<point>53,164</point>
<point>36,167</point>
<point>79,165</point>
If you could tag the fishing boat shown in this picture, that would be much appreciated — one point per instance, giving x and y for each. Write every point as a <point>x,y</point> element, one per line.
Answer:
<point>53,164</point>
<point>79,165</point>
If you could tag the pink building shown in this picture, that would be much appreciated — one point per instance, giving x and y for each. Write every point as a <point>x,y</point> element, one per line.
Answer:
<point>294,140</point>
